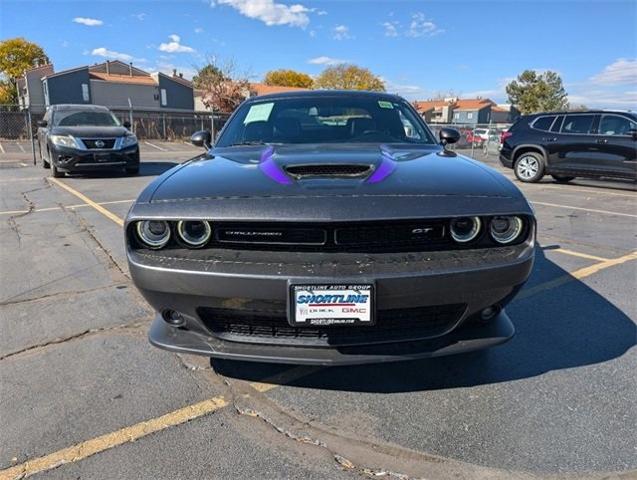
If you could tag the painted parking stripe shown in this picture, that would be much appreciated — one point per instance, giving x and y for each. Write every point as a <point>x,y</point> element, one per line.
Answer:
<point>570,207</point>
<point>2,148</point>
<point>105,442</point>
<point>21,147</point>
<point>580,254</point>
<point>161,149</point>
<point>107,213</point>
<point>69,207</point>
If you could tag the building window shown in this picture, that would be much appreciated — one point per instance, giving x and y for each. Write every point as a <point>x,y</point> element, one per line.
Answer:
<point>164,101</point>
<point>85,95</point>
<point>456,116</point>
<point>45,90</point>
<point>469,115</point>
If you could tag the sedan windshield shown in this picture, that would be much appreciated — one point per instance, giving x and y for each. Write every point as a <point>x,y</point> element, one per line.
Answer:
<point>325,119</point>
<point>85,118</point>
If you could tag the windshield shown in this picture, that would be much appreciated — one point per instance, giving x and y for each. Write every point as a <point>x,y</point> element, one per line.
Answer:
<point>325,120</point>
<point>85,118</point>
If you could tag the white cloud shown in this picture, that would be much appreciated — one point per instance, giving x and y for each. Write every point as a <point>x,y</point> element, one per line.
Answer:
<point>198,30</point>
<point>106,53</point>
<point>621,72</point>
<point>410,92</point>
<point>140,16</point>
<point>341,32</point>
<point>168,68</point>
<point>270,12</point>
<point>323,60</point>
<point>420,26</point>
<point>174,46</point>
<point>391,28</point>
<point>605,99</point>
<point>89,22</point>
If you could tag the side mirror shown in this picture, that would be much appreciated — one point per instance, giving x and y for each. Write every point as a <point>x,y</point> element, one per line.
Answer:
<point>202,138</point>
<point>449,135</point>
<point>126,124</point>
<point>42,123</point>
<point>633,133</point>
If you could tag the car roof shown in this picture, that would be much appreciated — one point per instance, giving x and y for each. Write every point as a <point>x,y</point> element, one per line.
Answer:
<point>71,106</point>
<point>595,112</point>
<point>327,94</point>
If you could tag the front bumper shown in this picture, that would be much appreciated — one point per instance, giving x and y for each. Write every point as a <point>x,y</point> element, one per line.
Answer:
<point>74,160</point>
<point>249,281</point>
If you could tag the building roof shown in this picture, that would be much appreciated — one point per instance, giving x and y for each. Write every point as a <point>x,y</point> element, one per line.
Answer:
<point>135,79</point>
<point>461,104</point>
<point>426,105</point>
<point>263,89</point>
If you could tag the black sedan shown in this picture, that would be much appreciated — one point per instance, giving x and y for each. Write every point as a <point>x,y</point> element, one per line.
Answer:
<point>329,228</point>
<point>81,138</point>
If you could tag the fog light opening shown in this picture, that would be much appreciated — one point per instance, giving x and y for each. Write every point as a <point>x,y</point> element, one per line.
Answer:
<point>489,313</point>
<point>173,318</point>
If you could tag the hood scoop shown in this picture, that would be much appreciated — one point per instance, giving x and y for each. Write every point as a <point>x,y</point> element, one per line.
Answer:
<point>334,170</point>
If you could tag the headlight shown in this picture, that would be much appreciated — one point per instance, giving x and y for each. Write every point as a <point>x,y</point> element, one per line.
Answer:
<point>505,229</point>
<point>153,233</point>
<point>63,141</point>
<point>194,233</point>
<point>128,141</point>
<point>465,229</point>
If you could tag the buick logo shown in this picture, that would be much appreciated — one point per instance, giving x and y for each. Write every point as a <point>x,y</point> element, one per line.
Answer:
<point>99,144</point>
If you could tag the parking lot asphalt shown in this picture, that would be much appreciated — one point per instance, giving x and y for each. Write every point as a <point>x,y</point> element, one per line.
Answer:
<point>83,394</point>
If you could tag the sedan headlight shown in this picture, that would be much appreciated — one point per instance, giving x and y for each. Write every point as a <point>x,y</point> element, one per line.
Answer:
<point>128,141</point>
<point>194,233</point>
<point>63,141</point>
<point>505,229</point>
<point>153,233</point>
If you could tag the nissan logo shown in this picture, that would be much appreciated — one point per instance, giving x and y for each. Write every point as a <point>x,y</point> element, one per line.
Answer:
<point>99,144</point>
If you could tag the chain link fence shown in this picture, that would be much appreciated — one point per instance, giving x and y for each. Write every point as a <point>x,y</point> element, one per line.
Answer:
<point>15,122</point>
<point>481,139</point>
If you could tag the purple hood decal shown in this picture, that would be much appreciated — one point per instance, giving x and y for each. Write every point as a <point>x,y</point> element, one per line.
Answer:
<point>384,170</point>
<point>271,169</point>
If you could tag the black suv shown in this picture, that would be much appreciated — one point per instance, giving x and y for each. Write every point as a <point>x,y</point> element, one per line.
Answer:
<point>569,145</point>
<point>85,137</point>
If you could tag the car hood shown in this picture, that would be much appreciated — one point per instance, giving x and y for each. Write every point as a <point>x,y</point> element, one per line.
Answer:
<point>90,131</point>
<point>401,181</point>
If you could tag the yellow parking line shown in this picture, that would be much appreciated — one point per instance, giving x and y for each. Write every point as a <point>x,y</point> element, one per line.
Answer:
<point>99,444</point>
<point>285,377</point>
<point>108,214</point>
<point>576,275</point>
<point>70,207</point>
<point>606,212</point>
<point>579,254</point>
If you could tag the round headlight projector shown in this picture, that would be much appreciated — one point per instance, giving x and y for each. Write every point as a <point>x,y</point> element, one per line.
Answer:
<point>194,233</point>
<point>465,229</point>
<point>153,233</point>
<point>505,229</point>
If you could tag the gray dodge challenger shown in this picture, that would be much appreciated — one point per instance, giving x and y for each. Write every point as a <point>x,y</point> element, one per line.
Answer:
<point>329,228</point>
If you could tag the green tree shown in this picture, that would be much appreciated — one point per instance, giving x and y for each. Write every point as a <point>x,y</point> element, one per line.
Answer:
<point>16,56</point>
<point>534,92</point>
<point>349,77</point>
<point>206,73</point>
<point>288,78</point>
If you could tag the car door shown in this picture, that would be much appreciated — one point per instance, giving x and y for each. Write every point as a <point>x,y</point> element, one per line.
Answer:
<point>573,149</point>
<point>618,146</point>
<point>42,131</point>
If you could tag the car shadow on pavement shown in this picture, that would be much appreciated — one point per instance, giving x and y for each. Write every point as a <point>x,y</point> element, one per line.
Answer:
<point>566,327</point>
<point>146,169</point>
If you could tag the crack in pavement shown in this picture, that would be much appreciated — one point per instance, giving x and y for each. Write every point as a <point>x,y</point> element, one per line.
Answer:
<point>73,293</point>
<point>11,221</point>
<point>85,333</point>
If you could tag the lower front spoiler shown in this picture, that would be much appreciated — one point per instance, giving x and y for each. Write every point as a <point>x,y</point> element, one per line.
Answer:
<point>465,338</point>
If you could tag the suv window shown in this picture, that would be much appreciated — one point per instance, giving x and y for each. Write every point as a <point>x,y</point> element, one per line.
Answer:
<point>578,123</point>
<point>557,125</point>
<point>615,125</point>
<point>543,123</point>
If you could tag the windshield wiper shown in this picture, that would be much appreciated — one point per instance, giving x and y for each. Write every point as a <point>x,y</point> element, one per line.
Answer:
<point>252,142</point>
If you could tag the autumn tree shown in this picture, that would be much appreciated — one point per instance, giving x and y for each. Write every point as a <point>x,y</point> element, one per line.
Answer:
<point>16,56</point>
<point>534,92</point>
<point>288,78</point>
<point>349,77</point>
<point>222,87</point>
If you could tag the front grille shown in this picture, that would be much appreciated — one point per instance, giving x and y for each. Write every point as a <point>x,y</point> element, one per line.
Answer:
<point>328,170</point>
<point>395,325</point>
<point>335,237</point>
<point>92,143</point>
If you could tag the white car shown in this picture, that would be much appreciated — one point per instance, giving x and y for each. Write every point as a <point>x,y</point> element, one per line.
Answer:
<point>483,133</point>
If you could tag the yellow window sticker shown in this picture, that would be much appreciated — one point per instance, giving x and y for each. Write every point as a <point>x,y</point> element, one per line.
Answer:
<point>259,113</point>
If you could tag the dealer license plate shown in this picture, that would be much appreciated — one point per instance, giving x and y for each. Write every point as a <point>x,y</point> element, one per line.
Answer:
<point>331,305</point>
<point>100,158</point>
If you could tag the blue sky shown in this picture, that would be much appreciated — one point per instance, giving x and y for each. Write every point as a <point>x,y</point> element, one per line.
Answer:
<point>420,48</point>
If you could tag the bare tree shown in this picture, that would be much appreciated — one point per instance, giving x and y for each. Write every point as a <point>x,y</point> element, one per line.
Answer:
<point>223,87</point>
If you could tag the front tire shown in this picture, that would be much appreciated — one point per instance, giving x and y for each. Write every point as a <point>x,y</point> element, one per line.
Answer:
<point>132,170</point>
<point>55,173</point>
<point>562,178</point>
<point>529,167</point>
